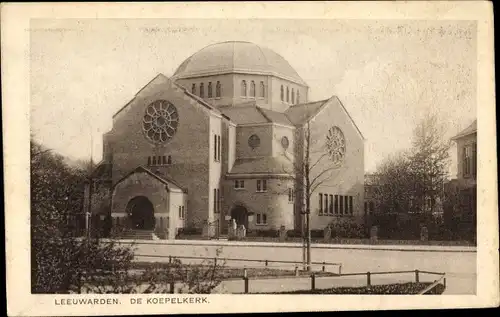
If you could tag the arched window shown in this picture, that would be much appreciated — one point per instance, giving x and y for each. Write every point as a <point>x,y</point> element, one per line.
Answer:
<point>287,94</point>
<point>193,89</point>
<point>243,88</point>
<point>217,90</point>
<point>282,93</point>
<point>169,159</point>
<point>262,90</point>
<point>252,89</point>
<point>293,96</point>
<point>298,96</point>
<point>209,89</point>
<point>202,90</point>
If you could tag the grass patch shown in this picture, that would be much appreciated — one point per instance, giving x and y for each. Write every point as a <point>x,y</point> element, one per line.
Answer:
<point>225,272</point>
<point>386,289</point>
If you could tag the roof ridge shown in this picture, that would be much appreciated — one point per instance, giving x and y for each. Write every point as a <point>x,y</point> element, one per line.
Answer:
<point>263,114</point>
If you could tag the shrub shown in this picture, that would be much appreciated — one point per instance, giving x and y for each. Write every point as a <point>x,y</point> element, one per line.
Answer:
<point>266,233</point>
<point>348,230</point>
<point>190,231</point>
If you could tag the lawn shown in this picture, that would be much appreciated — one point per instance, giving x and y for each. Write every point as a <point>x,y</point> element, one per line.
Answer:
<point>387,289</point>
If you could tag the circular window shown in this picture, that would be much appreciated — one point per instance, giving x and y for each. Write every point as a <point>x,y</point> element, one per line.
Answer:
<point>160,121</point>
<point>335,145</point>
<point>253,141</point>
<point>284,142</point>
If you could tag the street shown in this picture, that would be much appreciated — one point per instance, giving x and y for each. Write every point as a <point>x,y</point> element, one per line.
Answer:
<point>460,267</point>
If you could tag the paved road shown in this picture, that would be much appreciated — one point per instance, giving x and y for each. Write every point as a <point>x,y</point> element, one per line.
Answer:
<point>460,267</point>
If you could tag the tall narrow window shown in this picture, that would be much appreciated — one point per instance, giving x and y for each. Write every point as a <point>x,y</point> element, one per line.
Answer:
<point>350,205</point>
<point>149,160</point>
<point>154,160</point>
<point>290,195</point>
<point>287,94</point>
<point>215,200</point>
<point>336,204</point>
<point>325,210</point>
<point>252,89</point>
<point>474,159</point>
<point>330,209</point>
<point>320,203</point>
<point>341,204</point>
<point>202,90</point>
<point>210,89</point>
<point>282,93</point>
<point>467,160</point>
<point>346,205</point>
<point>264,218</point>
<point>193,89</point>
<point>219,151</point>
<point>164,160</point>
<point>262,90</point>
<point>218,89</point>
<point>169,159</point>
<point>243,88</point>
<point>218,200</point>
<point>258,219</point>
<point>298,96</point>
<point>259,187</point>
<point>215,147</point>
<point>293,96</point>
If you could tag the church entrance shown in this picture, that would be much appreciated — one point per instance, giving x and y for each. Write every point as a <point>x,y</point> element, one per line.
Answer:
<point>240,215</point>
<point>141,213</point>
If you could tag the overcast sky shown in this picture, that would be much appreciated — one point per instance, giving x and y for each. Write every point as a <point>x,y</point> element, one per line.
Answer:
<point>387,73</point>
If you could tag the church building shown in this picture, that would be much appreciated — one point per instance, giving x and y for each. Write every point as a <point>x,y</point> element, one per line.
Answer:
<point>231,135</point>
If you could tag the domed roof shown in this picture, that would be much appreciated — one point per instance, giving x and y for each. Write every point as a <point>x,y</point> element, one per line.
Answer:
<point>236,57</point>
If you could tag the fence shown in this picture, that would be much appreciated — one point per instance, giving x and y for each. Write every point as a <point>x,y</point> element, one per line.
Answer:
<point>293,264</point>
<point>314,276</point>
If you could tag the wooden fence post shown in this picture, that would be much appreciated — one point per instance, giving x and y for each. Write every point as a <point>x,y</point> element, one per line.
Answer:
<point>368,279</point>
<point>245,279</point>
<point>313,282</point>
<point>417,279</point>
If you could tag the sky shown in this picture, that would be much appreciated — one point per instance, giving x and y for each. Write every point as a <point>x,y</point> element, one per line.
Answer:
<point>387,73</point>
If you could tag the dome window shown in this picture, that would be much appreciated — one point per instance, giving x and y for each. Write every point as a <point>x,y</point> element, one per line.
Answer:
<point>243,88</point>
<point>193,89</point>
<point>218,89</point>
<point>287,94</point>
<point>298,96</point>
<point>262,90</point>
<point>282,93</point>
<point>252,89</point>
<point>210,89</point>
<point>293,96</point>
<point>202,90</point>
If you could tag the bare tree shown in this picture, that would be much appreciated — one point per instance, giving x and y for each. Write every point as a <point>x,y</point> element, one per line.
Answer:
<point>429,162</point>
<point>311,167</point>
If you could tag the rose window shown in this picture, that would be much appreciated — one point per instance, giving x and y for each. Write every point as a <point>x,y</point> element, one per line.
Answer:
<point>335,145</point>
<point>160,121</point>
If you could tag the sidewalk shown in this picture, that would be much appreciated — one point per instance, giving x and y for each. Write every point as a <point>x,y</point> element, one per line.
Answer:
<point>419,248</point>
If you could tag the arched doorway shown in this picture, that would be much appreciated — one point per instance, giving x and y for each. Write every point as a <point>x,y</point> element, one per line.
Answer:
<point>141,213</point>
<point>240,214</point>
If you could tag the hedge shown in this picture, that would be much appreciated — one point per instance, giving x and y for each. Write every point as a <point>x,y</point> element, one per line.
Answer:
<point>387,289</point>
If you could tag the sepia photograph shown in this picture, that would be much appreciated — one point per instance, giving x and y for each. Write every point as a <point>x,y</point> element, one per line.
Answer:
<point>252,156</point>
